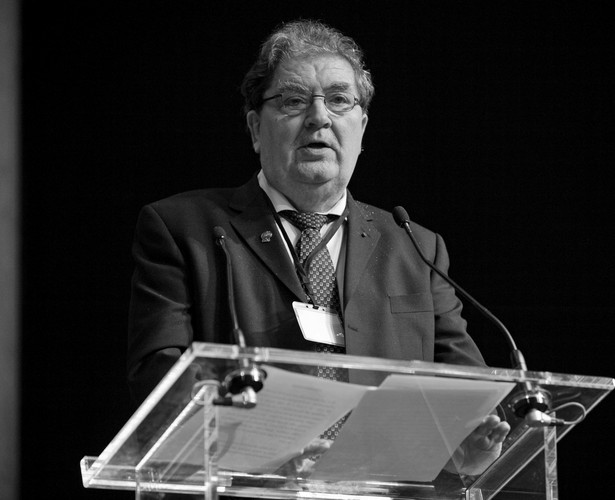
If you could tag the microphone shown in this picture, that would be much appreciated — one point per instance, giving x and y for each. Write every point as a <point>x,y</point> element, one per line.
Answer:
<point>535,418</point>
<point>531,402</point>
<point>242,384</point>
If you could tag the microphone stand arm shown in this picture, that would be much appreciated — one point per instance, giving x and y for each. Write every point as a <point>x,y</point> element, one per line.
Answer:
<point>531,402</point>
<point>242,384</point>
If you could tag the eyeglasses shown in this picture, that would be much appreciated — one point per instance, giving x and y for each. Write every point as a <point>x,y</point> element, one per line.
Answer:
<point>293,103</point>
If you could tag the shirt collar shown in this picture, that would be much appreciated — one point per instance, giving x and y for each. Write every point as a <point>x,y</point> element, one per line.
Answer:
<point>281,202</point>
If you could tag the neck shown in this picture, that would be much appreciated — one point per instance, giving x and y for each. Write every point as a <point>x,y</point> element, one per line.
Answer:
<point>306,203</point>
<point>304,197</point>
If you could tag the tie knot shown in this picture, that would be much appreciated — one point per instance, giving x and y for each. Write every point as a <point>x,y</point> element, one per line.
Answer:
<point>305,220</point>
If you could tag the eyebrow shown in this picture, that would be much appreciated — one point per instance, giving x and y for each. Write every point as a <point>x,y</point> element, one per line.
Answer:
<point>339,86</point>
<point>291,85</point>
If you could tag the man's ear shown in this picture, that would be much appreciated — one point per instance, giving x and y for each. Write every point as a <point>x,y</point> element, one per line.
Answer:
<point>254,125</point>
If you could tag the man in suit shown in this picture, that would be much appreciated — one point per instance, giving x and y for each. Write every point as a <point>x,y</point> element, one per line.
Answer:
<point>307,98</point>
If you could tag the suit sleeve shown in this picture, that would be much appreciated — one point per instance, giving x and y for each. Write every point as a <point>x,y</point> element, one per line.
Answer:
<point>159,319</point>
<point>452,342</point>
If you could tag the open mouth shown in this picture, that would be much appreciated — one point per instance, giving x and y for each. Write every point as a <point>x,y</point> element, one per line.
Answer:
<point>316,145</point>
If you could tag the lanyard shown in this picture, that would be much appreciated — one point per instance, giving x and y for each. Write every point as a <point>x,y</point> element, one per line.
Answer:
<point>300,268</point>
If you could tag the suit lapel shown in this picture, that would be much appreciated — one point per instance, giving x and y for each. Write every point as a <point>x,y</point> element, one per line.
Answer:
<point>362,239</point>
<point>256,225</point>
<point>254,218</point>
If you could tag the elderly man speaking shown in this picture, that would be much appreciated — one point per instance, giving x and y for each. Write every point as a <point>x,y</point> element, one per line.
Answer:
<point>296,234</point>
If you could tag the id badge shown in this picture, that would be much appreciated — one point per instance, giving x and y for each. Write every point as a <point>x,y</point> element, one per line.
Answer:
<point>319,324</point>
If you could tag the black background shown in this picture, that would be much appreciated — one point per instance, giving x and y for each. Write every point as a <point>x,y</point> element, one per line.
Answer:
<point>492,124</point>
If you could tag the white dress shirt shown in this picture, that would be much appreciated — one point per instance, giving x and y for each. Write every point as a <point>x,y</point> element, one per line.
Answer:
<point>280,202</point>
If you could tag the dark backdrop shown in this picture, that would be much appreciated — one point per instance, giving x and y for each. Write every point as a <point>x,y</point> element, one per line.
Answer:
<point>491,124</point>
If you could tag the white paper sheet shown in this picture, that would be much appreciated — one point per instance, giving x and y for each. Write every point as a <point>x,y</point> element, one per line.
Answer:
<point>408,428</point>
<point>292,410</point>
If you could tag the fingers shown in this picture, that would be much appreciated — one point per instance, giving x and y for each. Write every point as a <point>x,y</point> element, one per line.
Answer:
<point>493,429</point>
<point>499,433</point>
<point>489,423</point>
<point>317,446</point>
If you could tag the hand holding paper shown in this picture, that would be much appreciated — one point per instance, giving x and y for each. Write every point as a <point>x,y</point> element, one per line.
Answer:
<point>302,465</point>
<point>481,448</point>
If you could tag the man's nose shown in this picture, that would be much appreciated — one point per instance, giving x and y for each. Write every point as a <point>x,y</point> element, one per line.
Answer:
<point>317,114</point>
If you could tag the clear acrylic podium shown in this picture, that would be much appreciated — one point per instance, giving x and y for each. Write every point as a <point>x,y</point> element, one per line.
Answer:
<point>181,440</point>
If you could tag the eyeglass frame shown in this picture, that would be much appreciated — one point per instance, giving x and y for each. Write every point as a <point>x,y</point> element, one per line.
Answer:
<point>324,100</point>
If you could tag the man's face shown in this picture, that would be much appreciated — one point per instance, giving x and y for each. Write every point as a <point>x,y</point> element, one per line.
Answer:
<point>309,157</point>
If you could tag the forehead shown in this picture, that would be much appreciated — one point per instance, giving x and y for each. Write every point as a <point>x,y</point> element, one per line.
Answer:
<point>314,73</point>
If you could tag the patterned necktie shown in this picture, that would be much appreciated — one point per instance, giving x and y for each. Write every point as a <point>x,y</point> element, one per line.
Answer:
<point>321,272</point>
<point>321,275</point>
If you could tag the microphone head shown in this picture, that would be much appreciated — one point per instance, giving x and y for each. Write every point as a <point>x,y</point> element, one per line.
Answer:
<point>219,233</point>
<point>401,216</point>
<point>250,376</point>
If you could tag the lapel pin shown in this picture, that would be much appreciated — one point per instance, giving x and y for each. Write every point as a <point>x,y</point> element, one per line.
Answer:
<point>266,237</point>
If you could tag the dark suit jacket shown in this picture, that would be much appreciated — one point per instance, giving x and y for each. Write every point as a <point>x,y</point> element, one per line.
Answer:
<point>393,305</point>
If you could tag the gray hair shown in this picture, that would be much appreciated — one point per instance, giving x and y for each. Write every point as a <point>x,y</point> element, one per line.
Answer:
<point>300,39</point>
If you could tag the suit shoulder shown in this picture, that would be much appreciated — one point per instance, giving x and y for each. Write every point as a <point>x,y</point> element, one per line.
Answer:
<point>384,219</point>
<point>196,198</point>
<point>188,211</point>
